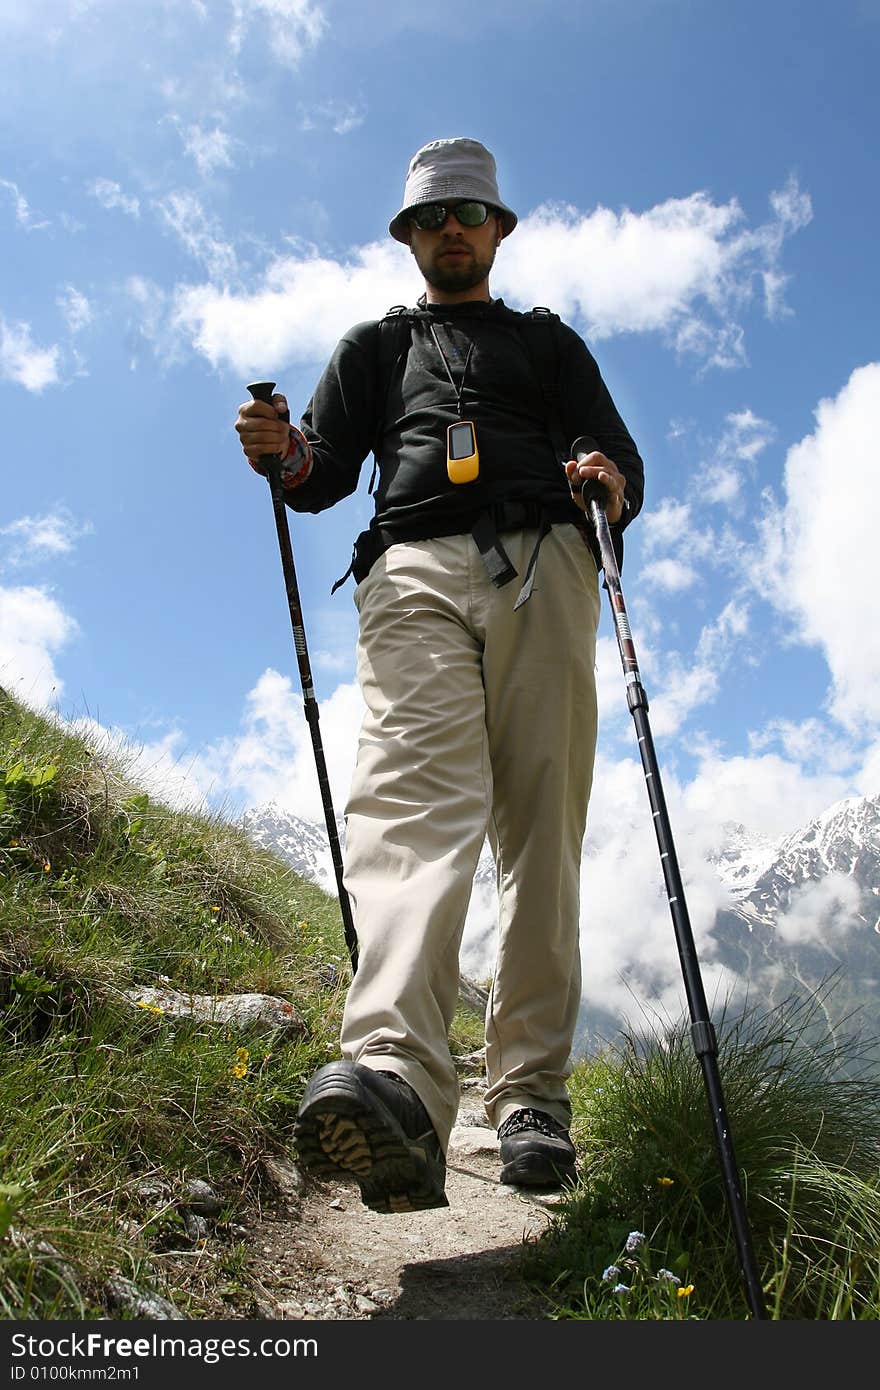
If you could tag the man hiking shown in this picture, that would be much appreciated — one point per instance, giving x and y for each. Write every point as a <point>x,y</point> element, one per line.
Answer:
<point>477,589</point>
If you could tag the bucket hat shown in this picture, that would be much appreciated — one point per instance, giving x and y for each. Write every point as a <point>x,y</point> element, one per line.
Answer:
<point>457,168</point>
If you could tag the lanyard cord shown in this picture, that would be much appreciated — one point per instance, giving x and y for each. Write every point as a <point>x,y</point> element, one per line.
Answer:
<point>459,390</point>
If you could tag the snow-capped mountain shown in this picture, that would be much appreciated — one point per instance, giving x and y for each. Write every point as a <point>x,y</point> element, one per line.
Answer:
<point>302,844</point>
<point>305,846</point>
<point>760,874</point>
<point>802,909</point>
<point>763,877</point>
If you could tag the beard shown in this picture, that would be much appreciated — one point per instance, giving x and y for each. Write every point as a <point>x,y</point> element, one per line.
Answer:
<point>455,276</point>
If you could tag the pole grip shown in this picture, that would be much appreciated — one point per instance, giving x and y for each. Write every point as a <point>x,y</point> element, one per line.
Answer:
<point>589,488</point>
<point>263,391</point>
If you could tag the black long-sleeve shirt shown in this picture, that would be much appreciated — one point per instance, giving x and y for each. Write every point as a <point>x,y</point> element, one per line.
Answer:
<point>349,415</point>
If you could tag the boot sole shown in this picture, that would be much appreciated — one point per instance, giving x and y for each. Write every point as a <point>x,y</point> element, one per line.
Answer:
<point>344,1132</point>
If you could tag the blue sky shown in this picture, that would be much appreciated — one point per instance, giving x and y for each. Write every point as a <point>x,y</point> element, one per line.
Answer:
<point>196,194</point>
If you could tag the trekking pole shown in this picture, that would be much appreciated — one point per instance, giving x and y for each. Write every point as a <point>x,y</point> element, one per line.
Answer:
<point>262,391</point>
<point>702,1031</point>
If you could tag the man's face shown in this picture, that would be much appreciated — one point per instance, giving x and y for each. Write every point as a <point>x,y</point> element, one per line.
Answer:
<point>455,259</point>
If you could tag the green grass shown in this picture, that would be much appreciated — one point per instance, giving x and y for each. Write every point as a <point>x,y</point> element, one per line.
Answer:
<point>104,891</point>
<point>110,1108</point>
<point>804,1123</point>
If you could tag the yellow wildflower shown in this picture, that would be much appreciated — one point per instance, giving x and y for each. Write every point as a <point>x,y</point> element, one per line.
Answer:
<point>215,909</point>
<point>685,1291</point>
<point>666,1182</point>
<point>46,867</point>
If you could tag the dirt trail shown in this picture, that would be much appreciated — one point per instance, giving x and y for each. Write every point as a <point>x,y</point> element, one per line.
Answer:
<point>332,1258</point>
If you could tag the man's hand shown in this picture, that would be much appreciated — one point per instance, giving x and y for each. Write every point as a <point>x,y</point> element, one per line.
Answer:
<point>597,466</point>
<point>261,429</point>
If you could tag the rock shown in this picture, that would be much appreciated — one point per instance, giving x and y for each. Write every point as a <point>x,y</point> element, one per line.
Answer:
<point>285,1177</point>
<point>472,1119</point>
<point>293,1311</point>
<point>471,1061</point>
<point>152,1189</point>
<point>121,1293</point>
<point>196,1226</point>
<point>201,1198</point>
<point>473,996</point>
<point>243,1011</point>
<point>473,1139</point>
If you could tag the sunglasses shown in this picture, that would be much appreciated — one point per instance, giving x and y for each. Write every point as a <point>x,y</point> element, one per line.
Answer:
<point>432,216</point>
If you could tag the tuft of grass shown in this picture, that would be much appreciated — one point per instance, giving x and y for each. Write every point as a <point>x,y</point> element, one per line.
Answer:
<point>805,1126</point>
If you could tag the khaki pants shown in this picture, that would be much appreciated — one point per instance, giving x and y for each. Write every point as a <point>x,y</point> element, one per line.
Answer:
<point>480,720</point>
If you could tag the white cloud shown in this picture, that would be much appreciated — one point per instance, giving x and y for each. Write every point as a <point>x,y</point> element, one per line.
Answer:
<point>201,236</point>
<point>683,690</point>
<point>667,525</point>
<point>672,576</point>
<point>868,779</point>
<point>110,195</point>
<point>23,214</point>
<point>716,641</point>
<point>818,563</point>
<point>33,628</point>
<point>299,311</point>
<point>33,538</point>
<point>821,912</point>
<point>22,361</point>
<point>811,743</point>
<point>291,27</point>
<point>272,758</point>
<point>770,794</point>
<point>75,307</point>
<point>744,439</point>
<point>683,268</point>
<point>211,149</point>
<point>676,686</point>
<point>630,961</point>
<point>342,117</point>
<point>793,211</point>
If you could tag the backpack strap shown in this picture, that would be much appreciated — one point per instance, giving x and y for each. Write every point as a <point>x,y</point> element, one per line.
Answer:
<point>540,336</point>
<point>395,336</point>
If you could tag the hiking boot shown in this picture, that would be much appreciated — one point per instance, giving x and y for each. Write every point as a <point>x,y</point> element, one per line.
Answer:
<point>370,1127</point>
<point>536,1151</point>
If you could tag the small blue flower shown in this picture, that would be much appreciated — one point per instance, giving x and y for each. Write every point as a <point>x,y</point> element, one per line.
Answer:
<point>620,1288</point>
<point>634,1241</point>
<point>668,1275</point>
<point>610,1273</point>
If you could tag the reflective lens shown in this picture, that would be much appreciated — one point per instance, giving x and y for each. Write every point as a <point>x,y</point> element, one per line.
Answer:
<point>432,216</point>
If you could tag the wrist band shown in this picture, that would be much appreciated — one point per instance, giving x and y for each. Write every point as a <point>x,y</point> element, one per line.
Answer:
<point>298,458</point>
<point>290,480</point>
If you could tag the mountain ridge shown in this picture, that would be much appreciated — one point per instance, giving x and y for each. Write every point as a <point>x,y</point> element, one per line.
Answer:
<point>801,908</point>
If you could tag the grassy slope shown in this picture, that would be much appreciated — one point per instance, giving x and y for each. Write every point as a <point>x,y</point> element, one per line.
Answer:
<point>111,1108</point>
